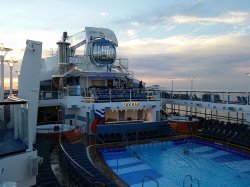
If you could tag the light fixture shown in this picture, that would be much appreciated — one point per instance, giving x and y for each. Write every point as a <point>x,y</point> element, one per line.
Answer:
<point>3,53</point>
<point>11,65</point>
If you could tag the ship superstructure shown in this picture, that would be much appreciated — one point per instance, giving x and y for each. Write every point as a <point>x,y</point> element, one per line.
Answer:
<point>84,85</point>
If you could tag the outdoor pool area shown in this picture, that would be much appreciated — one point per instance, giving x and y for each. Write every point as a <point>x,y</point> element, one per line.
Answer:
<point>175,163</point>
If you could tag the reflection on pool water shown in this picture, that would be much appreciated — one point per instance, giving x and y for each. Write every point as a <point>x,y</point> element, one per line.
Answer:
<point>170,162</point>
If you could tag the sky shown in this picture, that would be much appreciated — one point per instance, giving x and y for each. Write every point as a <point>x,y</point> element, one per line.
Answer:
<point>163,39</point>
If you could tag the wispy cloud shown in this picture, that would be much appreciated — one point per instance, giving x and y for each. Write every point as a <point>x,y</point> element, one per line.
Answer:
<point>103,14</point>
<point>131,33</point>
<point>134,23</point>
<point>217,59</point>
<point>229,18</point>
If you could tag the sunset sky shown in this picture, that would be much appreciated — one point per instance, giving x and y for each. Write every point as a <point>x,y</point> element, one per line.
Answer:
<point>207,39</point>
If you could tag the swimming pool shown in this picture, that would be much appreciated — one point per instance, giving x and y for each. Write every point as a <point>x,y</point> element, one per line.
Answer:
<point>170,162</point>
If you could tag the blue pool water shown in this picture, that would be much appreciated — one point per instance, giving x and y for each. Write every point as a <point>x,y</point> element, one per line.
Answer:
<point>168,164</point>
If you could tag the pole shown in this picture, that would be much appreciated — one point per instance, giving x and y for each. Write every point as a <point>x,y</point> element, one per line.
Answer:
<point>172,88</point>
<point>11,80</point>
<point>248,99</point>
<point>2,70</point>
<point>18,76</point>
<point>191,94</point>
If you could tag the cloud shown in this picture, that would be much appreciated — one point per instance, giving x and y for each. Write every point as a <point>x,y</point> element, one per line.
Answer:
<point>134,23</point>
<point>218,62</point>
<point>103,14</point>
<point>131,33</point>
<point>229,18</point>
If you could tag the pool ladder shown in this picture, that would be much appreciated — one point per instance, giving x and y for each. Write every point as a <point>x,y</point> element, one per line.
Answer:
<point>192,180</point>
<point>147,176</point>
<point>124,138</point>
<point>186,150</point>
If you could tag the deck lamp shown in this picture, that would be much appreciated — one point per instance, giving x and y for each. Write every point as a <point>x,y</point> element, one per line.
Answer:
<point>192,82</point>
<point>11,65</point>
<point>18,76</point>
<point>191,93</point>
<point>3,53</point>
<point>172,89</point>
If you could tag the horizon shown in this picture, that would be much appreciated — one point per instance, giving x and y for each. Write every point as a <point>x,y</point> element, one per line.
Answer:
<point>162,39</point>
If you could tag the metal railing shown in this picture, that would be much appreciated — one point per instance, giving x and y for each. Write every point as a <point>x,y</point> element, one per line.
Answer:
<point>98,138</point>
<point>147,176</point>
<point>192,180</point>
<point>92,180</point>
<point>124,138</point>
<point>232,137</point>
<point>103,94</point>
<point>242,98</point>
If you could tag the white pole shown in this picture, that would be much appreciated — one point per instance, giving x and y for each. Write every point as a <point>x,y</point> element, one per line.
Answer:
<point>172,89</point>
<point>191,90</point>
<point>2,70</point>
<point>11,80</point>
<point>18,76</point>
<point>191,94</point>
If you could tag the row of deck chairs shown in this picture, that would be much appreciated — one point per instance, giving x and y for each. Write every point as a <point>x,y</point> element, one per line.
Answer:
<point>159,132</point>
<point>80,177</point>
<point>180,96</point>
<point>242,100</point>
<point>229,132</point>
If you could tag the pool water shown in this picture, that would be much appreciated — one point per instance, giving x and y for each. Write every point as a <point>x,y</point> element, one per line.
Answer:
<point>169,163</point>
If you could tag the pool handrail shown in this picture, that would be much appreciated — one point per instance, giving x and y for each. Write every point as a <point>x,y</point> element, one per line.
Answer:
<point>147,176</point>
<point>124,138</point>
<point>97,137</point>
<point>192,180</point>
<point>198,182</point>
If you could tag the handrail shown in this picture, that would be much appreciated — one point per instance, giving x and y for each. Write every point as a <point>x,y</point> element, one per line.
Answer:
<point>192,180</point>
<point>72,160</point>
<point>85,94</point>
<point>183,182</point>
<point>117,164</point>
<point>97,137</point>
<point>231,139</point>
<point>124,138</point>
<point>198,182</point>
<point>147,176</point>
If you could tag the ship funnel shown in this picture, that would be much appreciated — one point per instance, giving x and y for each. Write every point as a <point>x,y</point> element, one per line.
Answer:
<point>63,50</point>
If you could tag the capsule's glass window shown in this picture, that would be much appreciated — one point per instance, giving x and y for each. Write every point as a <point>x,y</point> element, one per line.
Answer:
<point>103,52</point>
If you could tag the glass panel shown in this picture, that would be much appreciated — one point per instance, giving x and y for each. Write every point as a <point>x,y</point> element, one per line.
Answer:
<point>103,52</point>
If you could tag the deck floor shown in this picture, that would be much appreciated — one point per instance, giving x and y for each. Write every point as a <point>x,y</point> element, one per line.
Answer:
<point>9,145</point>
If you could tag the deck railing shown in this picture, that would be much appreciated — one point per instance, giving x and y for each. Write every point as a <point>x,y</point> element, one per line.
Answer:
<point>104,94</point>
<point>242,98</point>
